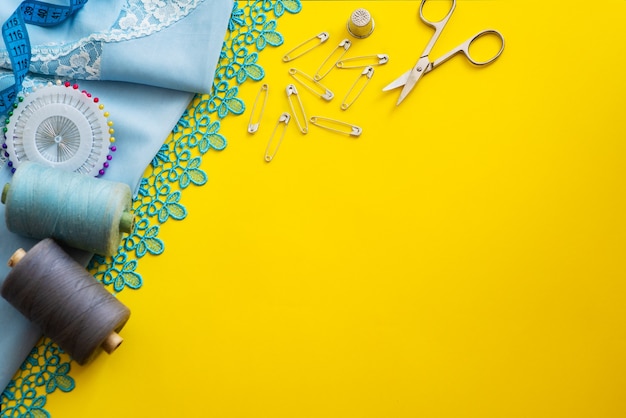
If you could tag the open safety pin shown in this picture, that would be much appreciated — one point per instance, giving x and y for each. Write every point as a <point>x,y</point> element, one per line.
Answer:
<point>323,37</point>
<point>307,81</point>
<point>327,123</point>
<point>345,44</point>
<point>366,75</point>
<point>254,126</point>
<point>371,60</point>
<point>292,91</point>
<point>284,119</point>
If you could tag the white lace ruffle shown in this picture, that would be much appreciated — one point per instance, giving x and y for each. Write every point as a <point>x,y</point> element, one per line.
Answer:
<point>81,59</point>
<point>3,159</point>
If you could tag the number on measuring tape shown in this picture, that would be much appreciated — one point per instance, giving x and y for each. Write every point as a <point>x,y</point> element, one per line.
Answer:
<point>17,42</point>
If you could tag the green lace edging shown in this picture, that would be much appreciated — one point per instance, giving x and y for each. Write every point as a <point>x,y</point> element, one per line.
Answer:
<point>176,166</point>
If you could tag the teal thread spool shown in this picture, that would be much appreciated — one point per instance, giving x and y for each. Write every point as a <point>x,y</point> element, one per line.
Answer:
<point>58,295</point>
<point>78,210</point>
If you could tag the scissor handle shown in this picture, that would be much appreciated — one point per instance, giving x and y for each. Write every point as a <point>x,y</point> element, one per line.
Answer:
<point>465,49</point>
<point>438,26</point>
<point>440,23</point>
<point>465,46</point>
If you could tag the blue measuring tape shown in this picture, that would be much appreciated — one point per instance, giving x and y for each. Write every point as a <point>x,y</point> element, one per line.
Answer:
<point>17,41</point>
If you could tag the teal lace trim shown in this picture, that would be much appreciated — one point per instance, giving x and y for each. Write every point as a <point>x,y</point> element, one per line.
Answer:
<point>176,167</point>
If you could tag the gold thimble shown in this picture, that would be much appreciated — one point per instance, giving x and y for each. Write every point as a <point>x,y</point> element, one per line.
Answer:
<point>361,24</point>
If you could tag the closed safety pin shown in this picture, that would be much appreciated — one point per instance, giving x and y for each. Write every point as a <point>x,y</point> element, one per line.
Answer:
<point>369,61</point>
<point>366,75</point>
<point>323,37</point>
<point>254,126</point>
<point>292,91</point>
<point>310,84</point>
<point>284,119</point>
<point>326,123</point>
<point>345,44</point>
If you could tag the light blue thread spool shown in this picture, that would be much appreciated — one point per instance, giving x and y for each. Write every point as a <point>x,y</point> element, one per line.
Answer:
<point>81,211</point>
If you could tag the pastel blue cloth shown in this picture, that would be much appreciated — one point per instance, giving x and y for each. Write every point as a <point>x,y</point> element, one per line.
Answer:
<point>154,59</point>
<point>173,44</point>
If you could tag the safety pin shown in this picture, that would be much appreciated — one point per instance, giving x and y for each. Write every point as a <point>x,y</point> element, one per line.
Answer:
<point>327,123</point>
<point>284,118</point>
<point>323,37</point>
<point>254,126</point>
<point>292,91</point>
<point>366,75</point>
<point>303,78</point>
<point>345,44</point>
<point>378,59</point>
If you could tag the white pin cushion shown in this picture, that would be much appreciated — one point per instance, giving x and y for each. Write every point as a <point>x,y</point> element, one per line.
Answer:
<point>60,126</point>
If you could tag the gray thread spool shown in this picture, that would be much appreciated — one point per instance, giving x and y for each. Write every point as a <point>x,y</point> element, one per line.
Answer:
<point>81,211</point>
<point>71,307</point>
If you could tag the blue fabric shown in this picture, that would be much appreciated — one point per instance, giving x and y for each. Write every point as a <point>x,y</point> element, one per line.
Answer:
<point>178,65</point>
<point>174,45</point>
<point>144,114</point>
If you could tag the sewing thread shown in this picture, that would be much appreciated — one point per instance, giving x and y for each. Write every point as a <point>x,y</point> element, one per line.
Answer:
<point>78,210</point>
<point>71,307</point>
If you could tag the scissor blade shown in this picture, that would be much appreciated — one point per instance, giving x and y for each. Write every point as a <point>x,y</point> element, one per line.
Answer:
<point>421,68</point>
<point>414,76</point>
<point>401,81</point>
<point>398,82</point>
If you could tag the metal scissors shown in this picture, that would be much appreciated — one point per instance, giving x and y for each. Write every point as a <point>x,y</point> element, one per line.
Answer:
<point>425,65</point>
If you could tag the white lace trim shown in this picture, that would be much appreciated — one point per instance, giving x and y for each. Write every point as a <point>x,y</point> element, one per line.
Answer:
<point>81,59</point>
<point>3,159</point>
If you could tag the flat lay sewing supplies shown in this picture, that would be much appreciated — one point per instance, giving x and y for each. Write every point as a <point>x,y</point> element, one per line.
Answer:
<point>425,65</point>
<point>71,307</point>
<point>376,270</point>
<point>359,26</point>
<point>390,258</point>
<point>58,137</point>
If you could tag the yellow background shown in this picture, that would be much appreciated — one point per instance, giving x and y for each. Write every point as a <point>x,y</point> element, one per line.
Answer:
<point>465,257</point>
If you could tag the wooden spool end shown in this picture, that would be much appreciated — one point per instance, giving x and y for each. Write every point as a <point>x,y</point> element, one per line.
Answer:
<point>16,257</point>
<point>127,222</point>
<point>113,341</point>
<point>5,192</point>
